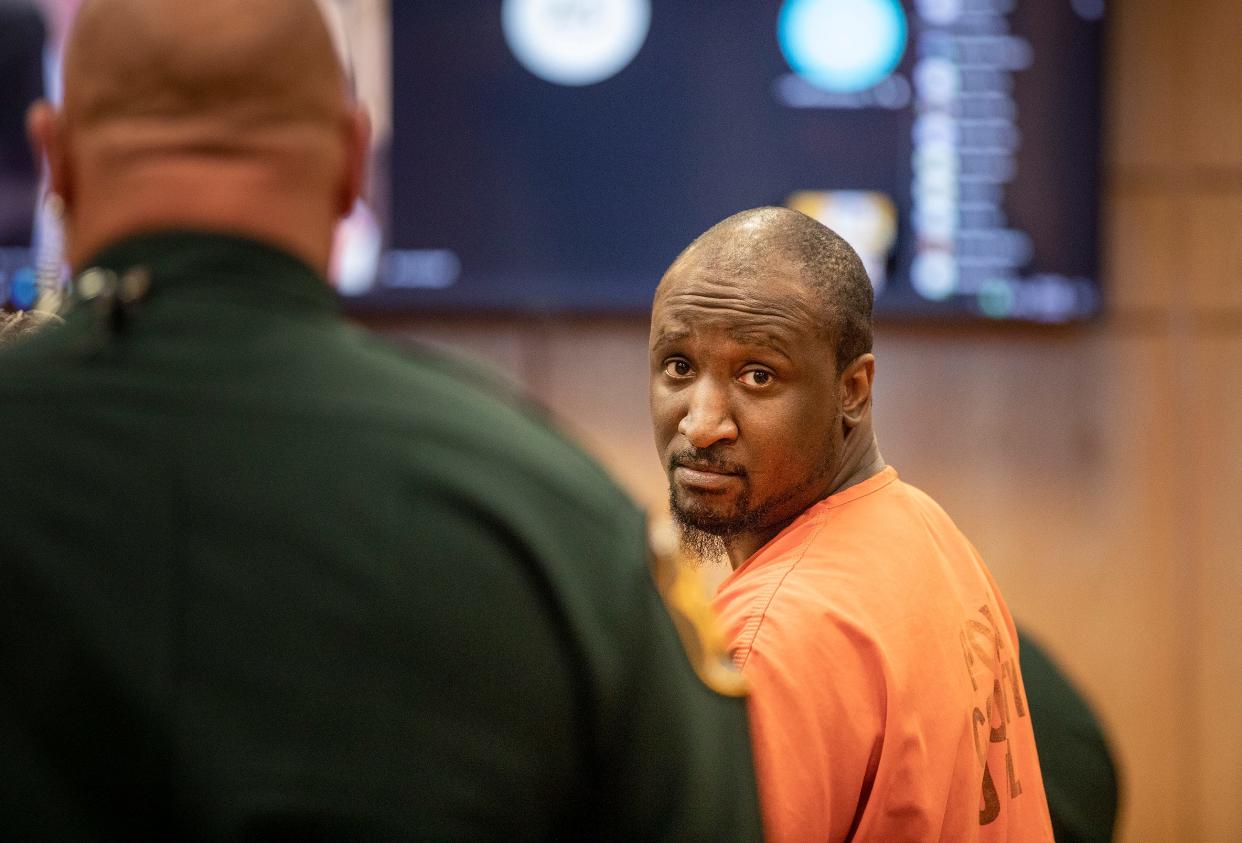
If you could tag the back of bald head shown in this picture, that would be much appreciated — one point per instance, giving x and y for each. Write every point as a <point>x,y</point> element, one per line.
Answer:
<point>741,246</point>
<point>218,65</point>
<point>221,115</point>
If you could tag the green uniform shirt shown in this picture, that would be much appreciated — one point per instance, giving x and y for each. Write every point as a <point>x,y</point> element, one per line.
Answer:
<point>1080,777</point>
<point>262,575</point>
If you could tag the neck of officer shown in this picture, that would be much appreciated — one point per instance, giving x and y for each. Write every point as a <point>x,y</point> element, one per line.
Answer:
<point>860,460</point>
<point>250,195</point>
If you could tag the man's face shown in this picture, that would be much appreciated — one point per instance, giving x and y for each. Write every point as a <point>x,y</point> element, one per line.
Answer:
<point>744,396</point>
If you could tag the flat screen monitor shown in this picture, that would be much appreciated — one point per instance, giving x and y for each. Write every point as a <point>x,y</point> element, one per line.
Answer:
<point>556,155</point>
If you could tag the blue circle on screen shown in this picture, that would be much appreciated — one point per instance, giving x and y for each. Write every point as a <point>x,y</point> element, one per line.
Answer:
<point>842,46</point>
<point>24,289</point>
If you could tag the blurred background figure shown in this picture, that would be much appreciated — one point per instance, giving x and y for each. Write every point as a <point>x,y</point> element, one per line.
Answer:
<point>1080,774</point>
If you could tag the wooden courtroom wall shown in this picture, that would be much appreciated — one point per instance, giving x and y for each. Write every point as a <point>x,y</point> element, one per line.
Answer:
<point>1098,468</point>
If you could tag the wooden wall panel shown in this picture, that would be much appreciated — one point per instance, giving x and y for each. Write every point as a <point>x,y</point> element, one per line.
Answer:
<point>504,346</point>
<point>594,377</point>
<point>1144,251</point>
<point>1212,31</point>
<point>1213,266</point>
<point>1214,443</point>
<point>1146,105</point>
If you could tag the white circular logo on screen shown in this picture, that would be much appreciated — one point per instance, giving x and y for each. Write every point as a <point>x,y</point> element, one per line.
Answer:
<point>575,42</point>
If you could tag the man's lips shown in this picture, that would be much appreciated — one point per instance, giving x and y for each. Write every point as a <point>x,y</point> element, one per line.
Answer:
<point>704,477</point>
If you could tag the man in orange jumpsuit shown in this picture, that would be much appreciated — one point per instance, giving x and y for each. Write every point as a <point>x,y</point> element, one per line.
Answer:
<point>887,703</point>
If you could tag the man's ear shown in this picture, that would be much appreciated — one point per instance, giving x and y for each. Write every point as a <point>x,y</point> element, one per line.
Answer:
<point>46,132</point>
<point>357,154</point>
<point>855,389</point>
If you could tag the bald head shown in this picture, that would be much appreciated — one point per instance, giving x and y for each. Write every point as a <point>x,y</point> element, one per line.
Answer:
<point>236,63</point>
<point>744,245</point>
<point>215,114</point>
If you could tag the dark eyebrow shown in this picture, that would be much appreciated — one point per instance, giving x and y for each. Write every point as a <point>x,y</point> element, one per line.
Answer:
<point>672,335</point>
<point>743,336</point>
<point>752,336</point>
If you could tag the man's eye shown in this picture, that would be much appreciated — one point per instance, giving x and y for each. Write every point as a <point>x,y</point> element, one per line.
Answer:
<point>677,368</point>
<point>757,377</point>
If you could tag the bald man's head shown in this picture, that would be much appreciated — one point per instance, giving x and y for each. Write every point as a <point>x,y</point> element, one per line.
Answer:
<point>242,63</point>
<point>216,114</point>
<point>741,246</point>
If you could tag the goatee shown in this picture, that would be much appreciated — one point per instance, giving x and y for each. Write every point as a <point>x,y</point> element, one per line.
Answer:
<point>699,547</point>
<point>704,540</point>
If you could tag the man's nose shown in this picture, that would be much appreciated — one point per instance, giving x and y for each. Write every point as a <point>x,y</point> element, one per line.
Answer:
<point>709,417</point>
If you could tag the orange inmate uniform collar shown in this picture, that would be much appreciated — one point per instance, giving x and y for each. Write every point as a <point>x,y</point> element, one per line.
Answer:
<point>886,699</point>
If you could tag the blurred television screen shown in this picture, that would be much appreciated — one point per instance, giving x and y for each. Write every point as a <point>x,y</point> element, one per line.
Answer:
<point>556,155</point>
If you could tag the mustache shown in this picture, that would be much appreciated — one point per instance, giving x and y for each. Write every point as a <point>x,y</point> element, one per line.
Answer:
<point>704,459</point>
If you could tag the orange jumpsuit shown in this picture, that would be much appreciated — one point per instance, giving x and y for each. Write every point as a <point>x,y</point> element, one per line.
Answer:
<point>886,701</point>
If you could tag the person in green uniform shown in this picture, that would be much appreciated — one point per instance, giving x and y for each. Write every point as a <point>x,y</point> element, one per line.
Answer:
<point>1075,754</point>
<point>265,577</point>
